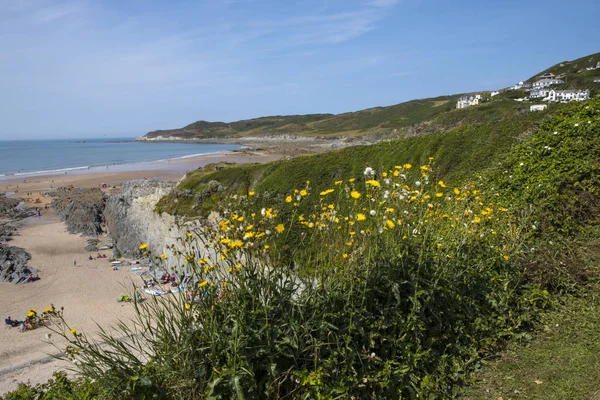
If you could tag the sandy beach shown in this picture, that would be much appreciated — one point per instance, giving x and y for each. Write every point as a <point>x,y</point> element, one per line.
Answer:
<point>87,291</point>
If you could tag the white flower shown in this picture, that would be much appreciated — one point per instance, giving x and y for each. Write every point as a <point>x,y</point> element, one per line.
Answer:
<point>373,213</point>
<point>402,176</point>
<point>521,164</point>
<point>386,194</point>
<point>386,181</point>
<point>263,212</point>
<point>369,171</point>
<point>267,232</point>
<point>576,124</point>
<point>418,183</point>
<point>555,133</point>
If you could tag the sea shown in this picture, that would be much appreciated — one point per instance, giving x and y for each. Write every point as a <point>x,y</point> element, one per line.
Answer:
<point>24,158</point>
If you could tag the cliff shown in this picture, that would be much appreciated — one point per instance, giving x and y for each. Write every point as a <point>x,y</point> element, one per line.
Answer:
<point>131,220</point>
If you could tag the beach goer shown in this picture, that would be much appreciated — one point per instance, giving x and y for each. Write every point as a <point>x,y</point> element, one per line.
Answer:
<point>74,262</point>
<point>90,258</point>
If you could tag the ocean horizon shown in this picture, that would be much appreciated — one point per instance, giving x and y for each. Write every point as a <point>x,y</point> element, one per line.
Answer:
<point>23,158</point>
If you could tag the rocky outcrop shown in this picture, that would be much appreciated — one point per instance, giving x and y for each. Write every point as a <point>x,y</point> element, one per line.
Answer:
<point>13,264</point>
<point>10,208</point>
<point>80,209</point>
<point>131,220</point>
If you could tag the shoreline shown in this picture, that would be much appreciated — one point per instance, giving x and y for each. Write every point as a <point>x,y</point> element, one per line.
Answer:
<point>114,175</point>
<point>89,290</point>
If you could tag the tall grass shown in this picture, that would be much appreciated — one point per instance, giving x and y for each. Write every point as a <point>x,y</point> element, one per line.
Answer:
<point>385,286</point>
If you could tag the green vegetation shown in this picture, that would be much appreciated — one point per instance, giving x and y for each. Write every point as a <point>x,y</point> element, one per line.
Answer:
<point>483,135</point>
<point>570,68</point>
<point>561,362</point>
<point>409,118</point>
<point>382,283</point>
<point>348,124</point>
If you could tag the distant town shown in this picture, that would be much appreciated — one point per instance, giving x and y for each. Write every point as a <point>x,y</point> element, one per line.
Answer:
<point>540,90</point>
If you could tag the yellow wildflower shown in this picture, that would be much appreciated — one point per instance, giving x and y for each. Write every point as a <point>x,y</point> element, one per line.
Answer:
<point>188,306</point>
<point>280,228</point>
<point>407,166</point>
<point>266,246</point>
<point>47,309</point>
<point>288,199</point>
<point>338,182</point>
<point>373,182</point>
<point>326,192</point>
<point>189,234</point>
<point>442,184</point>
<point>143,246</point>
<point>456,191</point>
<point>355,194</point>
<point>360,217</point>
<point>238,266</point>
<point>74,331</point>
<point>30,314</point>
<point>236,243</point>
<point>351,180</point>
<point>345,255</point>
<point>250,193</point>
<point>439,194</point>
<point>303,193</point>
<point>203,284</point>
<point>390,224</point>
<point>163,256</point>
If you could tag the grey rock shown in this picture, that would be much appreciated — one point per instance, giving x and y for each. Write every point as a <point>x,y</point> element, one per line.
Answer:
<point>80,209</point>
<point>128,211</point>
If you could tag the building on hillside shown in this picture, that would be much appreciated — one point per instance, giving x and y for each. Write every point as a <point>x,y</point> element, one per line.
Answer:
<point>539,93</point>
<point>547,75</point>
<point>494,93</point>
<point>546,82</point>
<point>593,67</point>
<point>521,85</point>
<point>468,101</point>
<point>568,95</point>
<point>538,107</point>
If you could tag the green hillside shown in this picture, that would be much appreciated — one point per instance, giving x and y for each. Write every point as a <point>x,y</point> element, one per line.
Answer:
<point>574,73</point>
<point>347,124</point>
<point>411,117</point>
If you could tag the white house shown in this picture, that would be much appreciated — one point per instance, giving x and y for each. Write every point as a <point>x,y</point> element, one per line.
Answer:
<point>547,75</point>
<point>568,95</point>
<point>539,93</point>
<point>494,93</point>
<point>521,85</point>
<point>596,80</point>
<point>545,82</point>
<point>468,101</point>
<point>538,107</point>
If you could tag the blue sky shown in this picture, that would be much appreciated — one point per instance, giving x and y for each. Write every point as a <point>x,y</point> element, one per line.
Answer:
<point>122,68</point>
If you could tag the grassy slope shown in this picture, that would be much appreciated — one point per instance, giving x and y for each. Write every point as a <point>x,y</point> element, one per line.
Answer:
<point>575,75</point>
<point>483,134</point>
<point>561,362</point>
<point>373,120</point>
<point>347,124</point>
